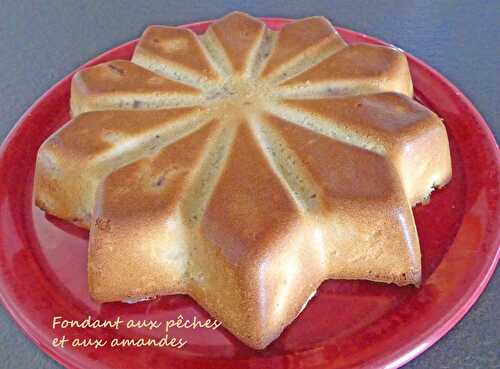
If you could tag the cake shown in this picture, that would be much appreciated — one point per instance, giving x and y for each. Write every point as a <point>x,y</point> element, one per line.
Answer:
<point>243,167</point>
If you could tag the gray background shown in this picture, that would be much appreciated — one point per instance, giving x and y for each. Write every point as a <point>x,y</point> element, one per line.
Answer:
<point>41,41</point>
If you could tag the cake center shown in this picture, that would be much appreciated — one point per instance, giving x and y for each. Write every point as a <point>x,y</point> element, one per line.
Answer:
<point>240,94</point>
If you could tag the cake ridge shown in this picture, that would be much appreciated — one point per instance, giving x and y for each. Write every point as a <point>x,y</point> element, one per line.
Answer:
<point>166,56</point>
<point>321,42</point>
<point>357,69</point>
<point>306,62</point>
<point>238,36</point>
<point>121,84</point>
<point>170,133</point>
<point>322,126</point>
<point>267,44</point>
<point>210,45</point>
<point>184,128</point>
<point>204,179</point>
<point>283,160</point>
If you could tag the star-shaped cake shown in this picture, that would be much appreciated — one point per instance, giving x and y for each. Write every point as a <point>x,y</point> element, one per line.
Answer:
<point>244,167</point>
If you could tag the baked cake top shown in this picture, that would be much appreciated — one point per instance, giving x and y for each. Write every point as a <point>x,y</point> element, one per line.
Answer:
<point>245,166</point>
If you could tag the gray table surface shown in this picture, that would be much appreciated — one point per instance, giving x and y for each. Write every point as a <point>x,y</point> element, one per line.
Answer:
<point>41,41</point>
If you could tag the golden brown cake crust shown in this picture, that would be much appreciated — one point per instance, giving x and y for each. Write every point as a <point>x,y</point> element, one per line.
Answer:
<point>356,68</point>
<point>243,167</point>
<point>125,85</point>
<point>239,36</point>
<point>172,46</point>
<point>306,37</point>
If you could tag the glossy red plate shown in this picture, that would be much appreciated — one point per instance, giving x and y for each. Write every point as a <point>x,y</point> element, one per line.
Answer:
<point>348,324</point>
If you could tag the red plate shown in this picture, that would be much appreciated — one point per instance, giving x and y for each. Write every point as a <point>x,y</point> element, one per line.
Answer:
<point>348,324</point>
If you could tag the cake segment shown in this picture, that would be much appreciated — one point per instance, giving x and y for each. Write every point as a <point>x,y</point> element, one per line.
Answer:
<point>260,269</point>
<point>363,217</point>
<point>354,70</point>
<point>299,46</point>
<point>249,203</point>
<point>121,84</point>
<point>139,243</point>
<point>177,54</point>
<point>286,164</point>
<point>238,37</point>
<point>407,133</point>
<point>75,159</point>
